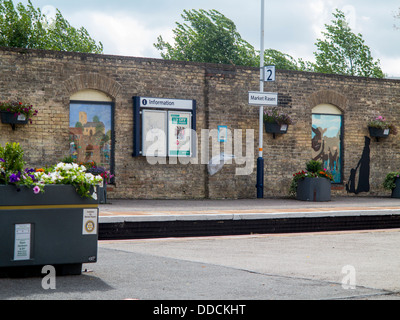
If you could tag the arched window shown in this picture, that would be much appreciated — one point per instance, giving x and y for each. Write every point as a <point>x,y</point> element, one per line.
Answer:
<point>91,128</point>
<point>327,135</point>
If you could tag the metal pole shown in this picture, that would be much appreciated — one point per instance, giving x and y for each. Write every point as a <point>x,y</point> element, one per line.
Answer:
<point>260,160</point>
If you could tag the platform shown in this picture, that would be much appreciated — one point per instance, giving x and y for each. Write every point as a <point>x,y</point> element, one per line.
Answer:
<point>139,219</point>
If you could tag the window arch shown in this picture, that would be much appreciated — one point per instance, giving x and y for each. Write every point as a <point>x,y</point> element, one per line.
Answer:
<point>327,138</point>
<point>91,128</point>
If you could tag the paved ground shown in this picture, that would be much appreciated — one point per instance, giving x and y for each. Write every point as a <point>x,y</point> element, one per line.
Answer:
<point>310,266</point>
<point>298,266</point>
<point>161,210</point>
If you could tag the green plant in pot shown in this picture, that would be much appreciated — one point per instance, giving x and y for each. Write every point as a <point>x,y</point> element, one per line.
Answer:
<point>392,183</point>
<point>314,183</point>
<point>12,172</point>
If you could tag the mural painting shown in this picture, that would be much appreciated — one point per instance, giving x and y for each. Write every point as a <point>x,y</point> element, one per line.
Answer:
<point>362,170</point>
<point>327,143</point>
<point>90,132</point>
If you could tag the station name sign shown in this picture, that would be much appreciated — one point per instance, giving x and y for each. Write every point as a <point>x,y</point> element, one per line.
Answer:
<point>263,98</point>
<point>160,103</point>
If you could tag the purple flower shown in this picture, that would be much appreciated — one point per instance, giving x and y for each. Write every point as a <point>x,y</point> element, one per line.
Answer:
<point>36,189</point>
<point>29,173</point>
<point>14,178</point>
<point>2,160</point>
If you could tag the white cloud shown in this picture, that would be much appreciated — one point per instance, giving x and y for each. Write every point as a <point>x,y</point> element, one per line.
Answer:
<point>390,66</point>
<point>122,34</point>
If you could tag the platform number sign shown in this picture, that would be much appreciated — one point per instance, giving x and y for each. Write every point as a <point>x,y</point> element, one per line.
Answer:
<point>269,74</point>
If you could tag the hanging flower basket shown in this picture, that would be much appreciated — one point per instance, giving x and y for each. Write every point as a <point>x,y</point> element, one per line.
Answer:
<point>276,128</point>
<point>381,128</point>
<point>378,132</point>
<point>13,119</point>
<point>14,113</point>
<point>276,122</point>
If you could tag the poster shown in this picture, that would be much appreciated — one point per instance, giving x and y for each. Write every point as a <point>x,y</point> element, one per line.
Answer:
<point>179,134</point>
<point>89,221</point>
<point>154,129</point>
<point>327,143</point>
<point>22,244</point>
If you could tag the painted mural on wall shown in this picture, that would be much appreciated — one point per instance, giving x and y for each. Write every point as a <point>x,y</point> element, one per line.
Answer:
<point>361,172</point>
<point>90,133</point>
<point>327,143</point>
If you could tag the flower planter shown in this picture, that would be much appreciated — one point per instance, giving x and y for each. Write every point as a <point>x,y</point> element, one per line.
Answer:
<point>378,133</point>
<point>396,190</point>
<point>314,189</point>
<point>13,119</point>
<point>276,128</point>
<point>57,228</point>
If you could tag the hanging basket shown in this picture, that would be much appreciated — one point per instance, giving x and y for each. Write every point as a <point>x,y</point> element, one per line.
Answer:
<point>276,128</point>
<point>378,133</point>
<point>13,118</point>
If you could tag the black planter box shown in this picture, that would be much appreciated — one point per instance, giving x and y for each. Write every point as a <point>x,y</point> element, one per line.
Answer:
<point>57,228</point>
<point>12,118</point>
<point>378,133</point>
<point>276,128</point>
<point>314,189</point>
<point>396,190</point>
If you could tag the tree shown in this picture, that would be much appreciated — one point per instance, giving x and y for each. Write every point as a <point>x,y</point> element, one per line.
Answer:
<point>210,37</point>
<point>343,52</point>
<point>285,61</point>
<point>27,27</point>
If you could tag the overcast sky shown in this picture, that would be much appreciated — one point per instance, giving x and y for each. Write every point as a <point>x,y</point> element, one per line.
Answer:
<point>131,27</point>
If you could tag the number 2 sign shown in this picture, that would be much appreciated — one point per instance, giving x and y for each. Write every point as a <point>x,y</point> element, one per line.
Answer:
<point>269,73</point>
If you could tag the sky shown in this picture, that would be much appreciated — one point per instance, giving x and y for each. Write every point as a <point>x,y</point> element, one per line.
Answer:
<point>131,27</point>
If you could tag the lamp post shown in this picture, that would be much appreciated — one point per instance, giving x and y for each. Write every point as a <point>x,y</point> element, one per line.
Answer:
<point>260,160</point>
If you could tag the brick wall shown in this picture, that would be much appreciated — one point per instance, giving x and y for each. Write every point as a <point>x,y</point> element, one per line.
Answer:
<point>48,80</point>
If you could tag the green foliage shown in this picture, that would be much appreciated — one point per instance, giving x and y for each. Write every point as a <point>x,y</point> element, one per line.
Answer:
<point>389,182</point>
<point>313,170</point>
<point>274,116</point>
<point>381,123</point>
<point>209,36</point>
<point>27,27</point>
<point>67,159</point>
<point>12,156</point>
<point>313,166</point>
<point>343,52</point>
<point>284,61</point>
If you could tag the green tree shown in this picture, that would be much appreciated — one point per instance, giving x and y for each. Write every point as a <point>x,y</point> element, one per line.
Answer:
<point>285,61</point>
<point>343,52</point>
<point>209,36</point>
<point>28,27</point>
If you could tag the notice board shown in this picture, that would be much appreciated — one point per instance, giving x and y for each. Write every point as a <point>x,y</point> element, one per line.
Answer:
<point>163,127</point>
